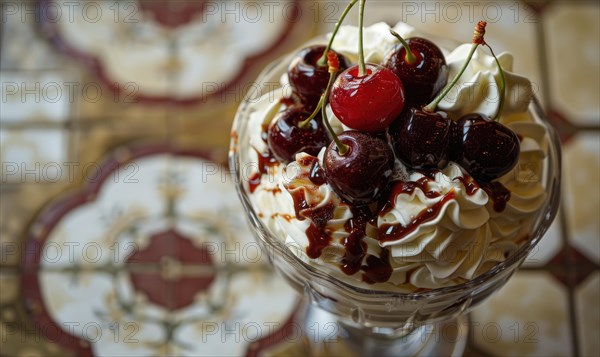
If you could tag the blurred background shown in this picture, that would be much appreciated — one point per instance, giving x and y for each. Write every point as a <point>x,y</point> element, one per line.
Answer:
<point>120,231</point>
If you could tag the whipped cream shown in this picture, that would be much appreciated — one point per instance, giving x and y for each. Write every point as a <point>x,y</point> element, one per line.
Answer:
<point>478,91</point>
<point>436,230</point>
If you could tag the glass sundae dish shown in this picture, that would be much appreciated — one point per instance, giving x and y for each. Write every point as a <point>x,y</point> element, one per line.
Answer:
<point>393,228</point>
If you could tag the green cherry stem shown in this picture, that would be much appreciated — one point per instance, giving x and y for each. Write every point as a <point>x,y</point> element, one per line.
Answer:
<point>502,84</point>
<point>304,124</point>
<point>410,57</point>
<point>342,148</point>
<point>477,40</point>
<point>323,59</point>
<point>361,55</point>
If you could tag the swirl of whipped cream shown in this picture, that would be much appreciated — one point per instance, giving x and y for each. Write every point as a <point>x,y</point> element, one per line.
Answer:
<point>448,242</point>
<point>477,90</point>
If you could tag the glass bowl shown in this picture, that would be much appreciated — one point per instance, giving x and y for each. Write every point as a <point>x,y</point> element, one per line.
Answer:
<point>381,315</point>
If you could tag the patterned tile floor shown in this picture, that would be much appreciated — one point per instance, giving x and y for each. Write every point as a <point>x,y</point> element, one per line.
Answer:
<point>101,227</point>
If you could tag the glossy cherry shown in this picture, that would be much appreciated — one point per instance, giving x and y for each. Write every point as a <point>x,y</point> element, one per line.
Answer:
<point>369,102</point>
<point>361,174</point>
<point>487,149</point>
<point>285,138</point>
<point>309,79</point>
<point>422,139</point>
<point>425,76</point>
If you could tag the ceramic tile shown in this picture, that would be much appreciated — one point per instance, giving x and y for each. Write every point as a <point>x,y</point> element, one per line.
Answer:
<point>37,96</point>
<point>9,288</point>
<point>171,60</point>
<point>198,129</point>
<point>587,296</point>
<point>528,316</point>
<point>10,226</point>
<point>574,83</point>
<point>94,138</point>
<point>19,20</point>
<point>581,160</point>
<point>33,155</point>
<point>547,248</point>
<point>18,205</point>
<point>21,338</point>
<point>149,253</point>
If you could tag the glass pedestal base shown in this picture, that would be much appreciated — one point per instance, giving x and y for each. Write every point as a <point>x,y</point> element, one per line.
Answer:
<point>327,335</point>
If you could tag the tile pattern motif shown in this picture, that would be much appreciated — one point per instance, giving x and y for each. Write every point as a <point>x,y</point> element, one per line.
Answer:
<point>549,308</point>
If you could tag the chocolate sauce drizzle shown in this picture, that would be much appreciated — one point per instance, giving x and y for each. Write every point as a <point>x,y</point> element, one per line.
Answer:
<point>265,160</point>
<point>376,269</point>
<point>498,193</point>
<point>391,232</point>
<point>470,185</point>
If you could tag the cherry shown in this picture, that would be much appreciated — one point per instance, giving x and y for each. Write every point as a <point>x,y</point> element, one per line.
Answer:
<point>484,147</point>
<point>309,78</point>
<point>367,97</point>
<point>286,137</point>
<point>487,149</point>
<point>422,139</point>
<point>359,171</point>
<point>368,102</point>
<point>423,74</point>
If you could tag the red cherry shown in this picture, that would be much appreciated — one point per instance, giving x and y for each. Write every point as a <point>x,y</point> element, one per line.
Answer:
<point>370,102</point>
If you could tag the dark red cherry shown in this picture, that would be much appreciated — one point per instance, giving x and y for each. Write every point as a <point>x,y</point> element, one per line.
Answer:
<point>361,174</point>
<point>426,76</point>
<point>421,139</point>
<point>486,148</point>
<point>370,102</point>
<point>307,78</point>
<point>285,138</point>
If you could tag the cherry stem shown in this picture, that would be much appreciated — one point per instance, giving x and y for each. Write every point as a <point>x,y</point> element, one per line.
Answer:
<point>334,66</point>
<point>323,59</point>
<point>477,40</point>
<point>410,57</point>
<point>361,55</point>
<point>304,124</point>
<point>502,85</point>
<point>342,148</point>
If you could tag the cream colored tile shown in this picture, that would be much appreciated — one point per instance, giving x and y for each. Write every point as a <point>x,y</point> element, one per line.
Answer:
<point>572,30</point>
<point>587,296</point>
<point>581,193</point>
<point>33,155</point>
<point>22,47</point>
<point>527,317</point>
<point>547,248</point>
<point>37,96</point>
